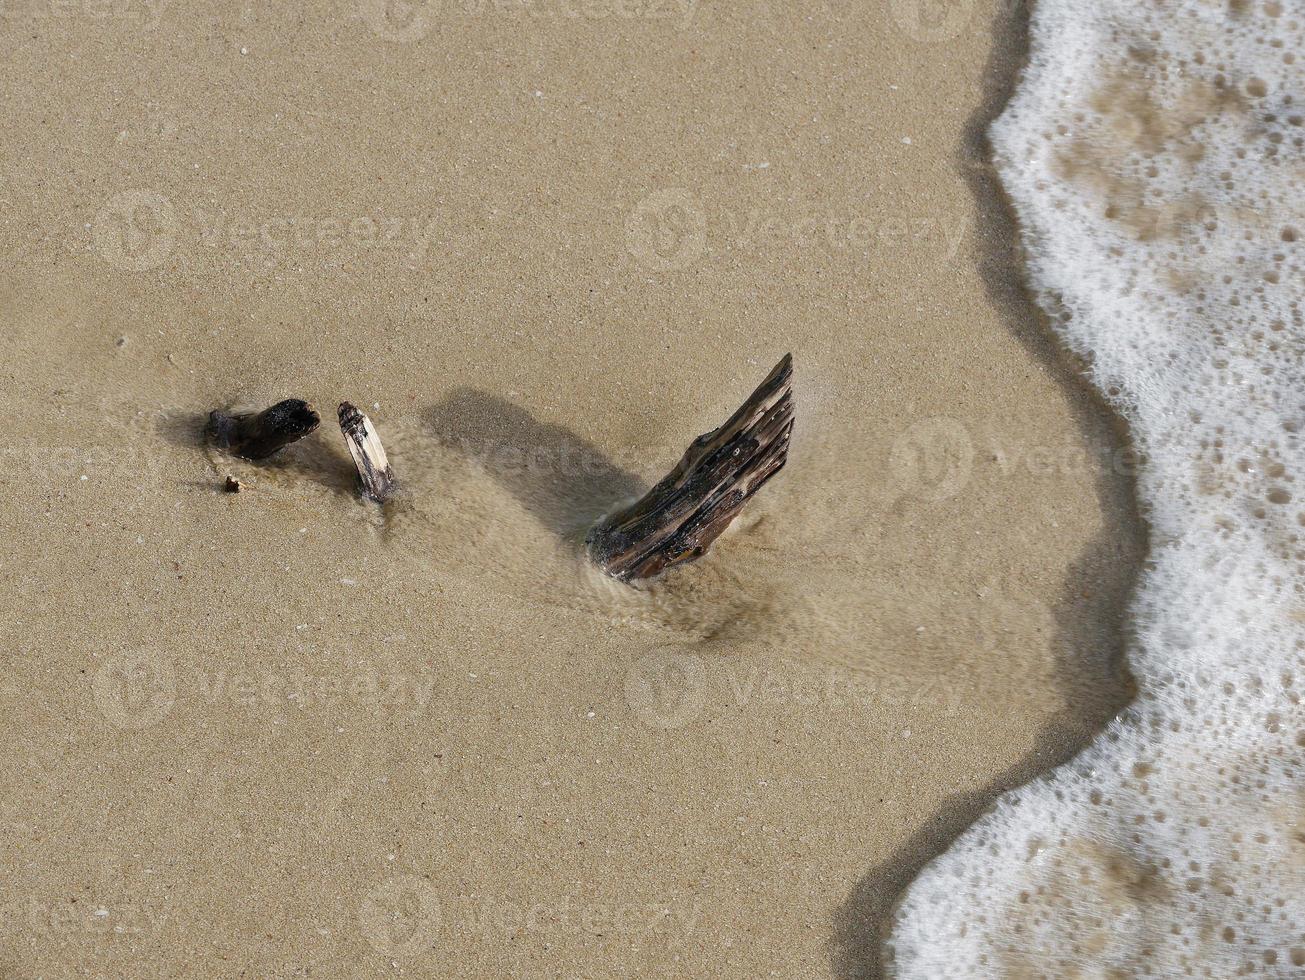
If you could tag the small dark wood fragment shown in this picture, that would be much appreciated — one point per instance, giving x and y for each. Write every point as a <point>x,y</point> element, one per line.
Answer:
<point>257,435</point>
<point>368,454</point>
<point>679,518</point>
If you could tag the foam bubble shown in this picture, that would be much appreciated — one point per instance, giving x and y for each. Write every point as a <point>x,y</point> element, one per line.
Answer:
<point>1155,153</point>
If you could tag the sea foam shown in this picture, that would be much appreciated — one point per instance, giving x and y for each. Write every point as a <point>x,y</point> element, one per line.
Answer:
<point>1155,155</point>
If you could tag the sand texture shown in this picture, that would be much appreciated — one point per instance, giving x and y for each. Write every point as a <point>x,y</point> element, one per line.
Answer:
<point>287,733</point>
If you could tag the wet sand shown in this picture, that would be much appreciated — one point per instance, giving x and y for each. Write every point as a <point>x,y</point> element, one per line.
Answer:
<point>286,733</point>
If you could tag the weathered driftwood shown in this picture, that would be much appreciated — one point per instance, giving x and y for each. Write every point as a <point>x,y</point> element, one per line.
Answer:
<point>681,516</point>
<point>257,435</point>
<point>368,454</point>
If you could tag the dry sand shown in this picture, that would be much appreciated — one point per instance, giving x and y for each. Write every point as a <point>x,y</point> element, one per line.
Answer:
<point>282,733</point>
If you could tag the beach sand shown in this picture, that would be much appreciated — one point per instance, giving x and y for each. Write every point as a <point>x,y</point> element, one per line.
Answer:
<point>286,733</point>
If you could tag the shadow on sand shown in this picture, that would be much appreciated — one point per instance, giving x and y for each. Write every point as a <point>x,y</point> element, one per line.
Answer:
<point>563,480</point>
<point>1091,620</point>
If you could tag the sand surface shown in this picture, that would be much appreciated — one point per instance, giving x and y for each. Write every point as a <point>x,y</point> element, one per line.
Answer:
<point>284,733</point>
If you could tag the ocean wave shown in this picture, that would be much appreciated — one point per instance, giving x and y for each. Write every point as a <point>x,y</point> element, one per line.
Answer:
<point>1155,156</point>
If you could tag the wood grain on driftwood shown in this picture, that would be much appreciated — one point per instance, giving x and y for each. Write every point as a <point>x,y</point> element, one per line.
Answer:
<point>257,435</point>
<point>681,516</point>
<point>374,473</point>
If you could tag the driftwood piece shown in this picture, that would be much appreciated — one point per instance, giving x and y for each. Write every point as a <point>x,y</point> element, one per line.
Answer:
<point>257,435</point>
<point>368,454</point>
<point>681,516</point>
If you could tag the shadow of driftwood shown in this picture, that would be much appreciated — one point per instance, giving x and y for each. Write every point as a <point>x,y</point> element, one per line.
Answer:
<point>183,429</point>
<point>318,458</point>
<point>563,480</point>
<point>1091,620</point>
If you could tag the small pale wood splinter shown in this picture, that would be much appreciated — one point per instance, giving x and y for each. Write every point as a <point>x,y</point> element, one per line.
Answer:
<point>368,454</point>
<point>679,518</point>
<point>257,435</point>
